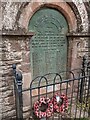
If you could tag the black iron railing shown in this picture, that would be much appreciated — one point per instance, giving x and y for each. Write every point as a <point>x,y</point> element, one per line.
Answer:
<point>75,89</point>
<point>18,93</point>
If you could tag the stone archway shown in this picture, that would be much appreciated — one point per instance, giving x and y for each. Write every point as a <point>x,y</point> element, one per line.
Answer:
<point>63,7</point>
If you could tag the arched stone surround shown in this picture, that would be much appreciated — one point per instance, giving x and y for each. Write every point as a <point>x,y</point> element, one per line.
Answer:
<point>73,14</point>
<point>63,7</point>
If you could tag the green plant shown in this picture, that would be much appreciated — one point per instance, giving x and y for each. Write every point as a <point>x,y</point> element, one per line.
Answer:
<point>85,105</point>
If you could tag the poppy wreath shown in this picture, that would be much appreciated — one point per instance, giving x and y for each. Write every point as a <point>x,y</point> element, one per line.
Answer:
<point>43,108</point>
<point>60,102</point>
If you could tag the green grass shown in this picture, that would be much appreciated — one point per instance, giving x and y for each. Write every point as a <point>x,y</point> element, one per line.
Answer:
<point>84,105</point>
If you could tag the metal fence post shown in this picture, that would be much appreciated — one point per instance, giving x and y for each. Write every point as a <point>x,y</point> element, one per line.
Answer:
<point>18,93</point>
<point>89,89</point>
<point>82,80</point>
<point>20,97</point>
<point>15,88</point>
<point>83,62</point>
<point>14,69</point>
<point>89,97</point>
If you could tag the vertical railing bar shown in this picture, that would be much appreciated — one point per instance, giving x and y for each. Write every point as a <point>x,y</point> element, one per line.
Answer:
<point>59,106</point>
<point>15,91</point>
<point>83,63</point>
<point>54,88</point>
<point>39,82</point>
<point>39,90</point>
<point>18,93</point>
<point>81,100</point>
<point>46,94</point>
<point>53,93</point>
<point>59,118</point>
<point>84,98</point>
<point>71,95</point>
<point>20,97</point>
<point>89,97</point>
<point>77,99</point>
<point>88,93</point>
<point>88,88</point>
<point>82,82</point>
<point>17,103</point>
<point>59,115</point>
<point>80,110</point>
<point>31,100</point>
<point>14,71</point>
<point>73,75</point>
<point>60,94</point>
<point>67,89</point>
<point>81,85</point>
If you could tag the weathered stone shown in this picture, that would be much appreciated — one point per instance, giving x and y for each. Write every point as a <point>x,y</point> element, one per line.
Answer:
<point>9,114</point>
<point>11,62</point>
<point>26,56</point>
<point>7,93</point>
<point>25,67</point>
<point>9,101</point>
<point>15,48</point>
<point>15,45</point>
<point>9,12</point>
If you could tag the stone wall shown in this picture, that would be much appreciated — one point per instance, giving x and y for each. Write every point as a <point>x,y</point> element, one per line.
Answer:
<point>15,48</point>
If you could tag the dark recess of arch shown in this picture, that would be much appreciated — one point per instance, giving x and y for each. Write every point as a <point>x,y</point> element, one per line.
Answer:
<point>23,5</point>
<point>75,10</point>
<point>87,5</point>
